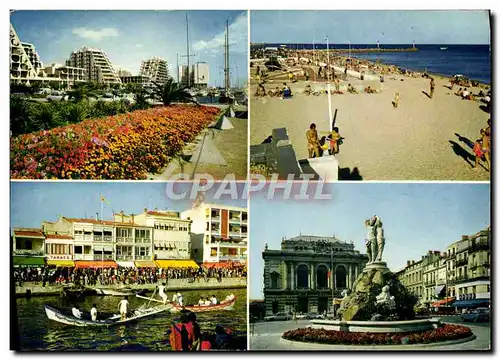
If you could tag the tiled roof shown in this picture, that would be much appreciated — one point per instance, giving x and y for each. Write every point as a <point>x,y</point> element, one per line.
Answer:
<point>90,221</point>
<point>58,236</point>
<point>32,233</point>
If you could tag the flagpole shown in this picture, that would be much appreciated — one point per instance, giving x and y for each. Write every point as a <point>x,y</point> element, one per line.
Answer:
<point>330,118</point>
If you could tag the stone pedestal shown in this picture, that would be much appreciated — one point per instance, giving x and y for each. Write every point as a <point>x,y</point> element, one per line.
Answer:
<point>361,305</point>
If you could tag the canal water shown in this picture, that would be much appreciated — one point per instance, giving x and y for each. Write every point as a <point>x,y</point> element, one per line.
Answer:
<point>36,332</point>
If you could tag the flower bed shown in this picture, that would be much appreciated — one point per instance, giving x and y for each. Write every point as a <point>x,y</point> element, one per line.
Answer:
<point>126,146</point>
<point>332,337</point>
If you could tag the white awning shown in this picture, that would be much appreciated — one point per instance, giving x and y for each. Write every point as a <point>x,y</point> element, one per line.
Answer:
<point>439,289</point>
<point>99,247</point>
<point>128,264</point>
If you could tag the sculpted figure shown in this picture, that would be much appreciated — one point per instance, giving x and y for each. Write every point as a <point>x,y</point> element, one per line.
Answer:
<point>380,238</point>
<point>385,298</point>
<point>371,243</point>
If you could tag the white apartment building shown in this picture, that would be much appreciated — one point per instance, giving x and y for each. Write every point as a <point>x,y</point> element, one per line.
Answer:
<point>65,75</point>
<point>201,73</point>
<point>219,232</point>
<point>122,72</point>
<point>156,69</point>
<point>171,239</point>
<point>97,65</point>
<point>24,60</point>
<point>136,79</point>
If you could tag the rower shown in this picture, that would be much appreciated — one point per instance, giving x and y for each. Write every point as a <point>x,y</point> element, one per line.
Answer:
<point>214,300</point>
<point>93,312</point>
<point>179,298</point>
<point>201,302</point>
<point>123,306</point>
<point>76,312</point>
<point>161,292</point>
<point>207,302</point>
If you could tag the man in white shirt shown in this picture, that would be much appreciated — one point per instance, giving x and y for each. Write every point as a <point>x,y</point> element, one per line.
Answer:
<point>161,292</point>
<point>465,94</point>
<point>123,306</point>
<point>76,312</point>
<point>201,302</point>
<point>179,299</point>
<point>207,302</point>
<point>214,300</point>
<point>93,312</point>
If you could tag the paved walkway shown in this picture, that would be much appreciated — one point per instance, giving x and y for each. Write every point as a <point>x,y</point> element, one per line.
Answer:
<point>267,336</point>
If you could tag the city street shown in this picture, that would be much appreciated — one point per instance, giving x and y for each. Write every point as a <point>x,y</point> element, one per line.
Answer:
<point>267,336</point>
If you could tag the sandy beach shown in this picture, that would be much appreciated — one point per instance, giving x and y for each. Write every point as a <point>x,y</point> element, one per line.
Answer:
<point>423,139</point>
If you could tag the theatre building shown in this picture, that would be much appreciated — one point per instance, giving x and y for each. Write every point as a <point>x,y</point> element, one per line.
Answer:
<point>308,273</point>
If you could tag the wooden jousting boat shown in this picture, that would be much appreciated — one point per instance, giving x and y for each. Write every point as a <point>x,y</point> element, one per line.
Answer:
<point>62,317</point>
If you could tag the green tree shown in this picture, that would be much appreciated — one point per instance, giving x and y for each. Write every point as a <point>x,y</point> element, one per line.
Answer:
<point>141,99</point>
<point>81,91</point>
<point>21,121</point>
<point>172,92</point>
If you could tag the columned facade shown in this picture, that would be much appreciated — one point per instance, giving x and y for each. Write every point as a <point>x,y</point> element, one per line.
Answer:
<point>308,272</point>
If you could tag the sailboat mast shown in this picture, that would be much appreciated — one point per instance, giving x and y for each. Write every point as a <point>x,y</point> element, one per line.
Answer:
<point>187,51</point>
<point>226,59</point>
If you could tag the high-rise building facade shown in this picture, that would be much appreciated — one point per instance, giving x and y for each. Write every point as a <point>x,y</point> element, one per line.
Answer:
<point>218,233</point>
<point>97,65</point>
<point>201,74</point>
<point>24,60</point>
<point>156,69</point>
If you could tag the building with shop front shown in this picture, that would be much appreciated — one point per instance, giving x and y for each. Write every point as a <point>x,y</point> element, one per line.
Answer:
<point>458,277</point>
<point>28,247</point>
<point>218,233</point>
<point>136,79</point>
<point>308,273</point>
<point>471,278</point>
<point>66,76</point>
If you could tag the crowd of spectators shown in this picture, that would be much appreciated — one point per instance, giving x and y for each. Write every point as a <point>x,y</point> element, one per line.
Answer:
<point>49,275</point>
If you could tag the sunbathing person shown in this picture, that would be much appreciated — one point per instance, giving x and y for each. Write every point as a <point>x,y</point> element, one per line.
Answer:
<point>351,89</point>
<point>369,90</point>
<point>261,91</point>
<point>459,92</point>
<point>308,90</point>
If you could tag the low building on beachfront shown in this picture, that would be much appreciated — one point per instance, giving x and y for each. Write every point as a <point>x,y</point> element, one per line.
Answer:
<point>219,233</point>
<point>66,76</point>
<point>28,247</point>
<point>308,273</point>
<point>141,80</point>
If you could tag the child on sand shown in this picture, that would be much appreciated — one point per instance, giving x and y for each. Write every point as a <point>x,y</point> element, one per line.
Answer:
<point>395,103</point>
<point>351,89</point>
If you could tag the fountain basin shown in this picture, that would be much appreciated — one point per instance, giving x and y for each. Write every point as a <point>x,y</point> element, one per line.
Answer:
<point>378,326</point>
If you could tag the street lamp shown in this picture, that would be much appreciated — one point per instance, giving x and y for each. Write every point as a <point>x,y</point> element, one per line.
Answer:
<point>330,118</point>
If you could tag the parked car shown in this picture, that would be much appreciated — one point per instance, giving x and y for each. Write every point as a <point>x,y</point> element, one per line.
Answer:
<point>57,96</point>
<point>476,315</point>
<point>310,316</point>
<point>281,316</point>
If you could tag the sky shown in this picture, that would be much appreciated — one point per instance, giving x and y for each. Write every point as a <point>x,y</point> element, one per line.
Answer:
<point>416,218</point>
<point>366,27</point>
<point>34,202</point>
<point>128,37</point>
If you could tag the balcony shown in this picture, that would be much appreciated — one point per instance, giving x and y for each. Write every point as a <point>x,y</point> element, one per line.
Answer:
<point>430,282</point>
<point>83,257</point>
<point>125,240</point>
<point>81,237</point>
<point>99,257</point>
<point>105,238</point>
<point>461,262</point>
<point>28,252</point>
<point>479,246</point>
<point>142,241</point>
<point>232,257</point>
<point>125,258</point>
<point>142,257</point>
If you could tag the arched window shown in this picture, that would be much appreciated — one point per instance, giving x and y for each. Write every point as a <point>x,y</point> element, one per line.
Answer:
<point>275,280</point>
<point>340,277</point>
<point>322,277</point>
<point>302,277</point>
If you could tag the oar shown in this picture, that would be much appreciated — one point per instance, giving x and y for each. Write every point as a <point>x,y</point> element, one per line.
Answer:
<point>154,292</point>
<point>150,299</point>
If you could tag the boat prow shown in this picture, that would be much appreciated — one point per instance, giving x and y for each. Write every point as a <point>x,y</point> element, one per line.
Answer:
<point>225,305</point>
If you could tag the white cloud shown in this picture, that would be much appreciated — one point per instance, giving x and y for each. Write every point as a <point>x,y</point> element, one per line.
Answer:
<point>138,45</point>
<point>238,38</point>
<point>95,34</point>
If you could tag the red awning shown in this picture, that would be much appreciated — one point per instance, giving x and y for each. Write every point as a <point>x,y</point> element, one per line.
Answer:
<point>223,265</point>
<point>95,264</point>
<point>443,302</point>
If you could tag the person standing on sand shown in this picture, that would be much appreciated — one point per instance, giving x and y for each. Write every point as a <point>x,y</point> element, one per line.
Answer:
<point>432,88</point>
<point>312,141</point>
<point>337,84</point>
<point>395,103</point>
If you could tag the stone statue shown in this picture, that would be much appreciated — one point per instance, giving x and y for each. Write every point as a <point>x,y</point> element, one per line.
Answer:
<point>371,240</point>
<point>265,247</point>
<point>380,238</point>
<point>344,293</point>
<point>385,298</point>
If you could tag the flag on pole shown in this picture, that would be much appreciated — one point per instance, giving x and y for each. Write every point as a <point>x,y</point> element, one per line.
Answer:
<point>103,199</point>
